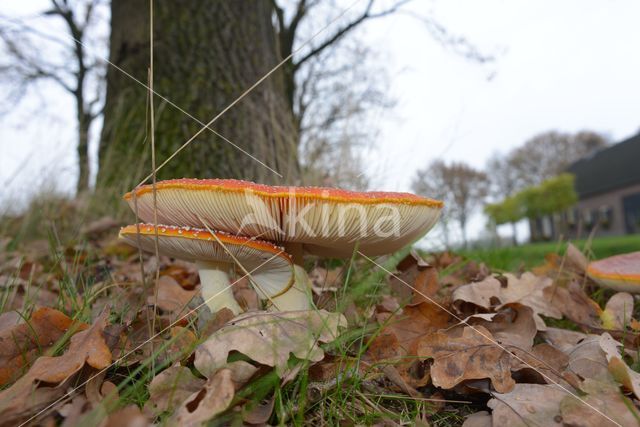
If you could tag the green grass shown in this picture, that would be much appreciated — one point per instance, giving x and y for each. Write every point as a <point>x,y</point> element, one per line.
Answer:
<point>529,255</point>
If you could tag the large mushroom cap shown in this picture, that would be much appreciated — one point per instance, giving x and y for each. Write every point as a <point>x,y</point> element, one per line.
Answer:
<point>270,268</point>
<point>327,221</point>
<point>619,272</point>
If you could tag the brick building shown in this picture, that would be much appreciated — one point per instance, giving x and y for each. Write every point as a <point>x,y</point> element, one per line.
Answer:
<point>608,187</point>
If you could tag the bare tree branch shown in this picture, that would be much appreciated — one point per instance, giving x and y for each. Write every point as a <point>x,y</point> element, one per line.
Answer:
<point>367,14</point>
<point>30,63</point>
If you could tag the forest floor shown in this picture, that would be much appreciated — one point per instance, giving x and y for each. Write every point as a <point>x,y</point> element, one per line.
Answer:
<point>88,336</point>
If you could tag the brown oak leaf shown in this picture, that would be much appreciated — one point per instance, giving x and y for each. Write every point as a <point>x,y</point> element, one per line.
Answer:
<point>28,396</point>
<point>467,353</point>
<point>22,343</point>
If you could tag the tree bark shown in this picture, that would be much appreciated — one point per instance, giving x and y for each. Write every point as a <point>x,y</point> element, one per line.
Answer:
<point>84,122</point>
<point>207,52</point>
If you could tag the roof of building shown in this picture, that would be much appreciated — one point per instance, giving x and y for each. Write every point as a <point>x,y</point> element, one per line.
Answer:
<point>614,167</point>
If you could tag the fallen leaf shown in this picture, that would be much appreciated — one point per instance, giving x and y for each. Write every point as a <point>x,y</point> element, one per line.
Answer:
<point>182,344</point>
<point>388,304</point>
<point>184,272</point>
<point>259,414</point>
<point>618,312</point>
<point>9,319</point>
<point>217,321</point>
<point>93,388</point>
<point>25,397</point>
<point>415,322</point>
<point>514,325</point>
<point>621,372</point>
<point>466,353</point>
<point>574,304</point>
<point>603,405</point>
<point>462,272</point>
<point>22,343</point>
<point>416,272</point>
<point>576,258</point>
<point>588,360</point>
<point>563,339</point>
<point>170,388</point>
<point>493,293</point>
<point>246,296</point>
<point>129,416</point>
<point>74,411</point>
<point>269,338</point>
<point>171,296</point>
<point>136,343</point>
<point>203,405</point>
<point>241,372</point>
<point>479,419</point>
<point>544,364</point>
<point>399,340</point>
<point>396,378</point>
<point>527,405</point>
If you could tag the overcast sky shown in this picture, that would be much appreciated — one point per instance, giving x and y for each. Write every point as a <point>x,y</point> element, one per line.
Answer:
<point>566,65</point>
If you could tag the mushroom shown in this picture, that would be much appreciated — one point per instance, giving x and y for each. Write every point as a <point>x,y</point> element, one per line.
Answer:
<point>216,254</point>
<point>320,221</point>
<point>619,272</point>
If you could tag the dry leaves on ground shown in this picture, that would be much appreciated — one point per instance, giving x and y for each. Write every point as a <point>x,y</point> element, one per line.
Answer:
<point>22,343</point>
<point>270,338</point>
<point>467,353</point>
<point>29,394</point>
<point>454,333</point>
<point>495,292</point>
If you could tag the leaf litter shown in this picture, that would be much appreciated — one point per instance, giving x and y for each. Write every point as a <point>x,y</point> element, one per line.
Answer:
<point>488,349</point>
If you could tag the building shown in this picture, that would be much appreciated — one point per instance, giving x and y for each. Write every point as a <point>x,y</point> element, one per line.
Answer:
<point>608,187</point>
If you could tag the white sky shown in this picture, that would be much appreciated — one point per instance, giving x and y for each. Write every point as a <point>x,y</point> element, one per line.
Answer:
<point>566,65</point>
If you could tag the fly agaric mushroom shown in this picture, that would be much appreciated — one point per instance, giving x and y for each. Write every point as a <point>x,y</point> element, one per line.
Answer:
<point>215,254</point>
<point>619,272</point>
<point>321,221</point>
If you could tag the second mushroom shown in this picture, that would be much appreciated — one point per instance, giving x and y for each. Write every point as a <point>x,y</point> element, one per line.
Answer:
<point>218,256</point>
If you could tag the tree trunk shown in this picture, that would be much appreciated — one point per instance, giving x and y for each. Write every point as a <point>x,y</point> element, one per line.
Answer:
<point>514,234</point>
<point>463,230</point>
<point>84,123</point>
<point>207,52</point>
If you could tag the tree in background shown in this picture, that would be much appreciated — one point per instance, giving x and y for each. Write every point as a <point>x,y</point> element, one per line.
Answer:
<point>305,117</point>
<point>431,182</point>
<point>550,197</point>
<point>550,153</point>
<point>228,47</point>
<point>509,211</point>
<point>541,158</point>
<point>206,54</point>
<point>32,57</point>
<point>459,185</point>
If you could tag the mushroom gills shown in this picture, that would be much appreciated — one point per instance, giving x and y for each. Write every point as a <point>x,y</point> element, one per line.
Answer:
<point>216,286</point>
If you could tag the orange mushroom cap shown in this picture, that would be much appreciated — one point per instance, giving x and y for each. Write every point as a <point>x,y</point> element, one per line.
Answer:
<point>619,272</point>
<point>269,266</point>
<point>327,221</point>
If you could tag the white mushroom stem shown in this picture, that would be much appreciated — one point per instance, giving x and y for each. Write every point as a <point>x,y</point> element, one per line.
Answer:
<point>215,285</point>
<point>298,296</point>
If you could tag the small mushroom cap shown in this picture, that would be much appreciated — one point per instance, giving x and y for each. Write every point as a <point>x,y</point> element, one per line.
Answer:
<point>270,268</point>
<point>619,272</point>
<point>326,221</point>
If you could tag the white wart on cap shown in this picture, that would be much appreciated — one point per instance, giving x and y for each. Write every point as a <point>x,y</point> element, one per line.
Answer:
<point>270,268</point>
<point>324,221</point>
<point>619,272</point>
